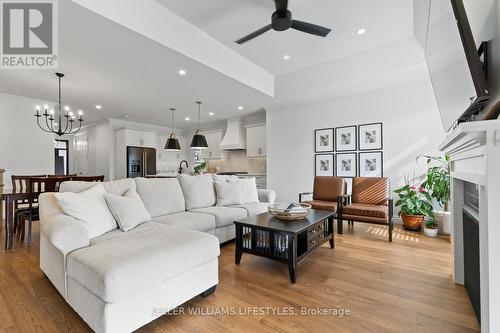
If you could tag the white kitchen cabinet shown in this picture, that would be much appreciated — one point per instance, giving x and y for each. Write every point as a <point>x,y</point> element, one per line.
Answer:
<point>213,152</point>
<point>256,141</point>
<point>137,138</point>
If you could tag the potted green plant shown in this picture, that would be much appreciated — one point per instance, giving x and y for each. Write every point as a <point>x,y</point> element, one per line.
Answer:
<point>415,205</point>
<point>438,184</point>
<point>200,167</point>
<point>430,228</point>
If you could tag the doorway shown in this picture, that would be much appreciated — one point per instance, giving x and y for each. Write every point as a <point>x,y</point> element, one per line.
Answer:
<point>61,157</point>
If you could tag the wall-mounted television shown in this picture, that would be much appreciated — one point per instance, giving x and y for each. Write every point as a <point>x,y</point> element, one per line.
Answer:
<point>455,68</point>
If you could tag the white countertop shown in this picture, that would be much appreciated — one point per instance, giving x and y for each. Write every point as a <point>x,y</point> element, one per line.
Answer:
<point>167,174</point>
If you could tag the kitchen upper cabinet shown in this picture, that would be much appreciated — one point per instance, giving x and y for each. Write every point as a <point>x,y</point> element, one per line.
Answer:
<point>256,141</point>
<point>213,152</point>
<point>137,138</point>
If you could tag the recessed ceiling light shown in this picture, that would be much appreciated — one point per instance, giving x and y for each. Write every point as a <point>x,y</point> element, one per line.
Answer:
<point>126,116</point>
<point>211,113</point>
<point>182,72</point>
<point>187,118</point>
<point>286,57</point>
<point>240,107</point>
<point>361,31</point>
<point>98,107</point>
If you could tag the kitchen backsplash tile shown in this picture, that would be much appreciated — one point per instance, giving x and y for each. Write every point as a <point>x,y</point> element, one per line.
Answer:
<point>238,161</point>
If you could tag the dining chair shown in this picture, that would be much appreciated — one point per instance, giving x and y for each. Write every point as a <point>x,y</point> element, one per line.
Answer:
<point>37,186</point>
<point>20,183</point>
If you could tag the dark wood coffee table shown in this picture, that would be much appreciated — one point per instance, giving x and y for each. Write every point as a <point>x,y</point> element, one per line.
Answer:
<point>286,241</point>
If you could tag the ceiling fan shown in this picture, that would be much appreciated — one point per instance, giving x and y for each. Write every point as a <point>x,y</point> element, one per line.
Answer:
<point>281,20</point>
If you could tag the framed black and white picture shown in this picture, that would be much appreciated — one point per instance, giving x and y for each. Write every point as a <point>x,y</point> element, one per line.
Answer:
<point>370,136</point>
<point>324,165</point>
<point>323,140</point>
<point>346,165</point>
<point>345,138</point>
<point>371,164</point>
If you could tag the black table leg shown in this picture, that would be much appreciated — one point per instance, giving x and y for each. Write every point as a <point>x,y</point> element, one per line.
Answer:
<point>292,257</point>
<point>9,216</point>
<point>239,245</point>
<point>331,232</point>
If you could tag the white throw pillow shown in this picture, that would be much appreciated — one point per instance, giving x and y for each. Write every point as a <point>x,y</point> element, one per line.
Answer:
<point>228,192</point>
<point>88,207</point>
<point>249,190</point>
<point>128,210</point>
<point>224,177</point>
<point>198,191</point>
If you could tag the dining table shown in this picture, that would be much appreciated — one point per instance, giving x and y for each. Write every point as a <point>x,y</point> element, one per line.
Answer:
<point>10,196</point>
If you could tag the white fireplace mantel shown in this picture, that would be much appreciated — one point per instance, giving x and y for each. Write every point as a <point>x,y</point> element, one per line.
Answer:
<point>474,150</point>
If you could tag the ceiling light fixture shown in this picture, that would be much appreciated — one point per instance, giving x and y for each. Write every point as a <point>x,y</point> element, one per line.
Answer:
<point>187,119</point>
<point>286,57</point>
<point>240,107</point>
<point>182,72</point>
<point>50,120</point>
<point>199,141</point>
<point>172,142</point>
<point>211,113</point>
<point>361,31</point>
<point>98,107</point>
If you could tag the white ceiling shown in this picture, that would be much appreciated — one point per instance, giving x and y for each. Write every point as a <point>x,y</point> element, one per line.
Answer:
<point>132,75</point>
<point>129,74</point>
<point>227,20</point>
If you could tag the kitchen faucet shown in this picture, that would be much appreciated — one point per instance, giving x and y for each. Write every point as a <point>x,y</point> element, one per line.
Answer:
<point>180,166</point>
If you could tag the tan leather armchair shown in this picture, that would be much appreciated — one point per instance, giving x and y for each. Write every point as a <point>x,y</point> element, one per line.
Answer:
<point>369,203</point>
<point>327,193</point>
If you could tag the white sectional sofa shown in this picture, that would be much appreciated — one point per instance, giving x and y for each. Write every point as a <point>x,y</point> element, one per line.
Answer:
<point>120,281</point>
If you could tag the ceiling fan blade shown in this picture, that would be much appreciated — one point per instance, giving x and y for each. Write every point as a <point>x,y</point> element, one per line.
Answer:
<point>281,5</point>
<point>254,34</point>
<point>310,28</point>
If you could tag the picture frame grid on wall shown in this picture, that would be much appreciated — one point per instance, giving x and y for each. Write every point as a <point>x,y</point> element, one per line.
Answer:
<point>370,136</point>
<point>324,140</point>
<point>324,165</point>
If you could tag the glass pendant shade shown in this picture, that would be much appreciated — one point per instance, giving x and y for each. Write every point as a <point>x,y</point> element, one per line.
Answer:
<point>172,142</point>
<point>199,141</point>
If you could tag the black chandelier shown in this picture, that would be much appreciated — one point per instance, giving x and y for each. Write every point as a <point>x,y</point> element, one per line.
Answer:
<point>56,127</point>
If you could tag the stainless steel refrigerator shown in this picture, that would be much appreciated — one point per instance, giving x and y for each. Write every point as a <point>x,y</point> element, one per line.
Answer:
<point>141,162</point>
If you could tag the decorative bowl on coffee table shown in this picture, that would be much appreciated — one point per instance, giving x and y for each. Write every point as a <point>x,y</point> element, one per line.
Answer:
<point>289,211</point>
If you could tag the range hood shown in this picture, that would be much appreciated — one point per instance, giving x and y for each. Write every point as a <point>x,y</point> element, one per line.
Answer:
<point>235,138</point>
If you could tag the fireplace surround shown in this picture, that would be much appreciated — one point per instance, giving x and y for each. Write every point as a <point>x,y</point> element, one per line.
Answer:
<point>474,150</point>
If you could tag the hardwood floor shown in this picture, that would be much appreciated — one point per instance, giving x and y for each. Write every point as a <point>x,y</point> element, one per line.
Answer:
<point>404,286</point>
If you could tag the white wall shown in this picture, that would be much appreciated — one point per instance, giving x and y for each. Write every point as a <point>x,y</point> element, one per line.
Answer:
<point>24,148</point>
<point>101,148</point>
<point>411,127</point>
